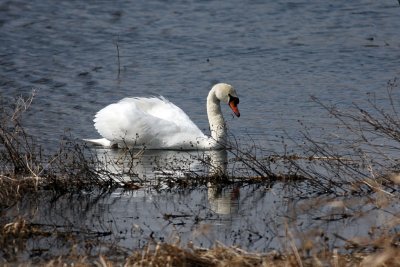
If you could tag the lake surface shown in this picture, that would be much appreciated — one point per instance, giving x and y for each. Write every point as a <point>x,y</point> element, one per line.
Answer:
<point>275,53</point>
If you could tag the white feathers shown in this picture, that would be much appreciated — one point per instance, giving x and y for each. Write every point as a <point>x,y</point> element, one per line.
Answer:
<point>156,123</point>
<point>148,122</point>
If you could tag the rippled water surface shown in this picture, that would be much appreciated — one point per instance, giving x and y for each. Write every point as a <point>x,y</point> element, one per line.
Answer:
<point>275,53</point>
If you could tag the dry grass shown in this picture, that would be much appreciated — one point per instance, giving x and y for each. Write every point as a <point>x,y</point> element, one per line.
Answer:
<point>13,189</point>
<point>163,255</point>
<point>221,256</point>
<point>25,167</point>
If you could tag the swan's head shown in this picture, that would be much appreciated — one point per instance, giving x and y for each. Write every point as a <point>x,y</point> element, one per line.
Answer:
<point>226,93</point>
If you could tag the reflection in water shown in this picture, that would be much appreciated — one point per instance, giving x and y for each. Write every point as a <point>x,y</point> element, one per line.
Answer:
<point>154,165</point>
<point>132,218</point>
<point>147,165</point>
<point>218,162</point>
<point>223,200</point>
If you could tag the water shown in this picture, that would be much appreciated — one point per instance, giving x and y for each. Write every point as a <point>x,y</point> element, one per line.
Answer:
<point>275,53</point>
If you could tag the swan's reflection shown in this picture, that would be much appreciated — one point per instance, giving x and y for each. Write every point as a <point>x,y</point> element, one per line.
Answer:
<point>154,165</point>
<point>126,164</point>
<point>223,200</point>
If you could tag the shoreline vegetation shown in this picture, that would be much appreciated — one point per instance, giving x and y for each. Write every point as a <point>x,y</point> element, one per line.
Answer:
<point>362,163</point>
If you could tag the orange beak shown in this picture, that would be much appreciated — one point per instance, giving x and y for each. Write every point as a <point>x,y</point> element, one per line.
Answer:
<point>234,107</point>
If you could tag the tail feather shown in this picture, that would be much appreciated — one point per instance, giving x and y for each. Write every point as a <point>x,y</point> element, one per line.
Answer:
<point>100,142</point>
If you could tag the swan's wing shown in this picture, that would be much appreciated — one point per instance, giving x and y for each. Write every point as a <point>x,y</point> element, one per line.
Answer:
<point>163,109</point>
<point>154,122</point>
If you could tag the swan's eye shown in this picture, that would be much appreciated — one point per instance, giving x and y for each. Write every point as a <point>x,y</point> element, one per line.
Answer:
<point>233,99</point>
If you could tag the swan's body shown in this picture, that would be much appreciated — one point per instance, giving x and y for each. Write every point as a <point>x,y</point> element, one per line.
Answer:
<point>156,123</point>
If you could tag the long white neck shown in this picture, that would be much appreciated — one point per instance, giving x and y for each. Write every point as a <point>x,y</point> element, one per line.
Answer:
<point>215,118</point>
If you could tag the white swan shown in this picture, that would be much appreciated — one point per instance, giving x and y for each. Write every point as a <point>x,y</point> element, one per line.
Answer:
<point>156,123</point>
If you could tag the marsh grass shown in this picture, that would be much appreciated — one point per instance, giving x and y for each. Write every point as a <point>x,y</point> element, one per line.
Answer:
<point>162,254</point>
<point>25,167</point>
<point>19,152</point>
<point>361,156</point>
<point>220,255</point>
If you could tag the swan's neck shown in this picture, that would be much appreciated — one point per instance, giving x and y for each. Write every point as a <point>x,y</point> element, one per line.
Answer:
<point>215,118</point>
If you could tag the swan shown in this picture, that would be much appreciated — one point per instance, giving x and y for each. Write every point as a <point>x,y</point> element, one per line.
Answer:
<point>156,123</point>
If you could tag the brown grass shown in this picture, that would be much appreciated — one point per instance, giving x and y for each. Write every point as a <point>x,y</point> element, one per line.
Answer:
<point>164,255</point>
<point>383,251</point>
<point>222,256</point>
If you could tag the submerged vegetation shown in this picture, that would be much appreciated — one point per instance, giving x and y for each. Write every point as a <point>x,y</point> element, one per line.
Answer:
<point>356,174</point>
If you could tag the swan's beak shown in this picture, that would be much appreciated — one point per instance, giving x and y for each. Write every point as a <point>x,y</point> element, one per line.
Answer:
<point>233,105</point>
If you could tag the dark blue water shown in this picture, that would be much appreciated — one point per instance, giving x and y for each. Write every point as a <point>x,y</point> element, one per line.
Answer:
<point>275,53</point>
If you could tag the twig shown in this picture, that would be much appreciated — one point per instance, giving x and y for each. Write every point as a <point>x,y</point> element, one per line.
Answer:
<point>118,58</point>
